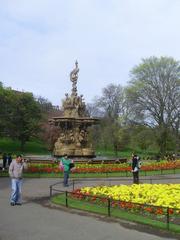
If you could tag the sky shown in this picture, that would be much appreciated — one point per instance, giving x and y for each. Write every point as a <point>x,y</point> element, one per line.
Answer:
<point>40,40</point>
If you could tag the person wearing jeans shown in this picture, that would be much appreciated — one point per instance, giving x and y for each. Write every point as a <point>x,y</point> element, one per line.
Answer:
<point>16,169</point>
<point>66,177</point>
<point>65,164</point>
<point>16,186</point>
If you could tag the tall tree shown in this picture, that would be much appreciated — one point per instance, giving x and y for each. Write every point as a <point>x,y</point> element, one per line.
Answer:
<point>112,107</point>
<point>21,115</point>
<point>2,109</point>
<point>154,93</point>
<point>112,101</point>
<point>45,105</point>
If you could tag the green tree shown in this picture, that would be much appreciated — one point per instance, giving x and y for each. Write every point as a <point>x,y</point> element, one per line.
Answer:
<point>111,106</point>
<point>45,105</point>
<point>5,111</point>
<point>154,95</point>
<point>20,115</point>
<point>2,109</point>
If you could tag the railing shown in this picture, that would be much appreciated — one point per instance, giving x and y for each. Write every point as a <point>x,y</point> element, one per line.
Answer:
<point>86,161</point>
<point>76,183</point>
<point>39,172</point>
<point>106,173</point>
<point>164,217</point>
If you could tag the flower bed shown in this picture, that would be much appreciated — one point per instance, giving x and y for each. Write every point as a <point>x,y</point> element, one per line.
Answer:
<point>157,201</point>
<point>104,168</point>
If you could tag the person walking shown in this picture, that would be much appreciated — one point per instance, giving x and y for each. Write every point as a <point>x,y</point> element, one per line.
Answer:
<point>16,169</point>
<point>135,169</point>
<point>66,165</point>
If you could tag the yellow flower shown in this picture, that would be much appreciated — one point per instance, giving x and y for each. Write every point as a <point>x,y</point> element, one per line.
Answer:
<point>165,195</point>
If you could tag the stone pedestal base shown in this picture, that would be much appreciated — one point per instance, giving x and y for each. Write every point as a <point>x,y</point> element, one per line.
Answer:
<point>82,152</point>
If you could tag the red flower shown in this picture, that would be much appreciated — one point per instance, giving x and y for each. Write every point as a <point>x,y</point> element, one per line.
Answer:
<point>170,211</point>
<point>159,211</point>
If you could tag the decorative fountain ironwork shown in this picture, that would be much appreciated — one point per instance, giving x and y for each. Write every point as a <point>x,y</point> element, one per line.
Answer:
<point>73,125</point>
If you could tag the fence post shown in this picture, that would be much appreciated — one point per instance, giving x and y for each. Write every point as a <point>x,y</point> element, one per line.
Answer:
<point>167,218</point>
<point>73,184</point>
<point>109,207</point>
<point>66,199</point>
<point>50,192</point>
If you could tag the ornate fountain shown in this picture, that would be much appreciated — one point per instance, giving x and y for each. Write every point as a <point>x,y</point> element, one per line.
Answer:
<point>73,125</point>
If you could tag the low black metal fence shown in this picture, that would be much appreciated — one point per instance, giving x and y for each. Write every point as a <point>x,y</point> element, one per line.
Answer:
<point>161,217</point>
<point>76,183</point>
<point>164,217</point>
<point>124,173</point>
<point>104,173</point>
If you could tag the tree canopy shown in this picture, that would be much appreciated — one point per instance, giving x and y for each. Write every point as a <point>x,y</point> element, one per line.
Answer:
<point>146,112</point>
<point>154,94</point>
<point>20,115</point>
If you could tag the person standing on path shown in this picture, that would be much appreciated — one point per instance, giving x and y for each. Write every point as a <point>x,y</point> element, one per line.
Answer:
<point>66,164</point>
<point>135,169</point>
<point>9,158</point>
<point>16,169</point>
<point>4,157</point>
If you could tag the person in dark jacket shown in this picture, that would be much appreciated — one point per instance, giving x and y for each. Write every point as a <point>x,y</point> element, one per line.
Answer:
<point>4,157</point>
<point>9,158</point>
<point>135,169</point>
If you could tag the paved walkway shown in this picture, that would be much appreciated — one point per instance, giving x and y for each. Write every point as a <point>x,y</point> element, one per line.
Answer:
<point>36,219</point>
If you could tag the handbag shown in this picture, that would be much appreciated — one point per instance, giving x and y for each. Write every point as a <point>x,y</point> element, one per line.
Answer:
<point>61,166</point>
<point>135,169</point>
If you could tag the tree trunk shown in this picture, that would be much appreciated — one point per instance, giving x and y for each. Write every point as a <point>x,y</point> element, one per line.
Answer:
<point>22,145</point>
<point>115,148</point>
<point>163,141</point>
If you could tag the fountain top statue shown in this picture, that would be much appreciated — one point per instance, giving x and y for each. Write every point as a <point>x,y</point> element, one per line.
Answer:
<point>74,105</point>
<point>74,78</point>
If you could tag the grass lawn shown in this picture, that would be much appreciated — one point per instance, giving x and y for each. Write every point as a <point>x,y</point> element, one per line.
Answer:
<point>124,153</point>
<point>95,175</point>
<point>118,213</point>
<point>13,146</point>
